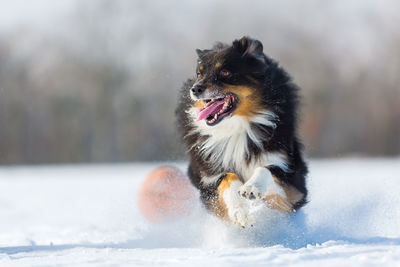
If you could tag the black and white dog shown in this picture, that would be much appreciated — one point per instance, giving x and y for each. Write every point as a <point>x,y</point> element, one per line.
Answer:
<point>238,122</point>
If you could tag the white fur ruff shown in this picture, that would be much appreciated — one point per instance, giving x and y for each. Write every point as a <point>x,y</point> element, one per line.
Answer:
<point>227,148</point>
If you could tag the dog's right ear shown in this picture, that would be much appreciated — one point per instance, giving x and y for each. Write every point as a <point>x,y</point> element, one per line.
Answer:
<point>250,47</point>
<point>201,53</point>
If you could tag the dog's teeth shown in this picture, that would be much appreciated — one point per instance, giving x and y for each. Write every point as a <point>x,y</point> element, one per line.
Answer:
<point>215,116</point>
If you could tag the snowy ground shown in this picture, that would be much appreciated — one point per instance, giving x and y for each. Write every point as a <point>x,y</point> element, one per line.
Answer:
<point>87,216</point>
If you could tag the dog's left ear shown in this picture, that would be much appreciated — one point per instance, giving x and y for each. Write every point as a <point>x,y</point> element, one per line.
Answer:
<point>250,47</point>
<point>201,53</point>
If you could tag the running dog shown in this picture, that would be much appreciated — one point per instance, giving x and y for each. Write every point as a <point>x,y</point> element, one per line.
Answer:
<point>238,120</point>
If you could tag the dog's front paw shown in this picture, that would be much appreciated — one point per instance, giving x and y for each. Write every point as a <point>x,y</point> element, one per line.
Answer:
<point>260,185</point>
<point>256,186</point>
<point>238,209</point>
<point>252,191</point>
<point>241,216</point>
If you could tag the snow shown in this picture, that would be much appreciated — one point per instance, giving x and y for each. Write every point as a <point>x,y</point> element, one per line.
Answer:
<point>86,215</point>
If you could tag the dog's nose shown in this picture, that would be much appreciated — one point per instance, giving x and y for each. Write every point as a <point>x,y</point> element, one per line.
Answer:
<point>197,90</point>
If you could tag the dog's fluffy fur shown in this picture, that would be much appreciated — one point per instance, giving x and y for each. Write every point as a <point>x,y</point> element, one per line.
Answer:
<point>249,150</point>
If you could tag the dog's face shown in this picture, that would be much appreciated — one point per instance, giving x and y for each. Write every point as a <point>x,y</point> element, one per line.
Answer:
<point>229,80</point>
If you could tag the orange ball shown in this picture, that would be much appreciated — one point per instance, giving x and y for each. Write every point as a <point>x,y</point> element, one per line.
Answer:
<point>166,194</point>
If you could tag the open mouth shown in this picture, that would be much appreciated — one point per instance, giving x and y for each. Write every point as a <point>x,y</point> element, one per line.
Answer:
<point>217,109</point>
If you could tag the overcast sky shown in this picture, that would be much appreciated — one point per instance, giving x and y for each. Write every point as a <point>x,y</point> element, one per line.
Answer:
<point>14,13</point>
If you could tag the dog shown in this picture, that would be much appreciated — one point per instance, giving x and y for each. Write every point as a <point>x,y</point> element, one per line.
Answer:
<point>238,121</point>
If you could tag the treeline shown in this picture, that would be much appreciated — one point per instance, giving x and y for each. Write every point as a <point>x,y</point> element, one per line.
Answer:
<point>101,84</point>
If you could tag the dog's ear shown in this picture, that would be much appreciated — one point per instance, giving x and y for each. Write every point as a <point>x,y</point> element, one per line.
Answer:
<point>248,46</point>
<point>201,53</point>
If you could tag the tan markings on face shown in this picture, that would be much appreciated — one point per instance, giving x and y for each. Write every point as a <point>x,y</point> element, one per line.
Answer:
<point>249,100</point>
<point>218,65</point>
<point>243,41</point>
<point>199,104</point>
<point>219,206</point>
<point>285,204</point>
<point>201,68</point>
<point>252,79</point>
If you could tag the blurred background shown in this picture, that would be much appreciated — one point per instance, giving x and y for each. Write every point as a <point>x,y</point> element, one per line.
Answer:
<point>97,81</point>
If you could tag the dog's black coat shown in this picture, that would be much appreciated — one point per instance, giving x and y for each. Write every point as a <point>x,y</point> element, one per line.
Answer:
<point>278,94</point>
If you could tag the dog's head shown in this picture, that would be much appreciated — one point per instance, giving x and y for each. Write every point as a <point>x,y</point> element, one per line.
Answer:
<point>229,81</point>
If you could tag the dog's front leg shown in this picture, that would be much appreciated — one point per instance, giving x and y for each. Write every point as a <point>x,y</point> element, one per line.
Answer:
<point>276,194</point>
<point>230,205</point>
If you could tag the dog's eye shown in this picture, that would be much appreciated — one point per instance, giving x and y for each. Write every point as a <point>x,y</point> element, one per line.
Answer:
<point>200,71</point>
<point>225,73</point>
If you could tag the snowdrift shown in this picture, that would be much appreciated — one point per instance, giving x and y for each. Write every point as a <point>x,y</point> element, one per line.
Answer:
<point>87,215</point>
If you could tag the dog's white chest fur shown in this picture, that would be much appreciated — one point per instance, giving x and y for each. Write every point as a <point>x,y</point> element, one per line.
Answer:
<point>226,146</point>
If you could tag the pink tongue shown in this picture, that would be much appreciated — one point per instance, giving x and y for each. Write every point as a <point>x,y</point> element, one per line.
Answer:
<point>209,109</point>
